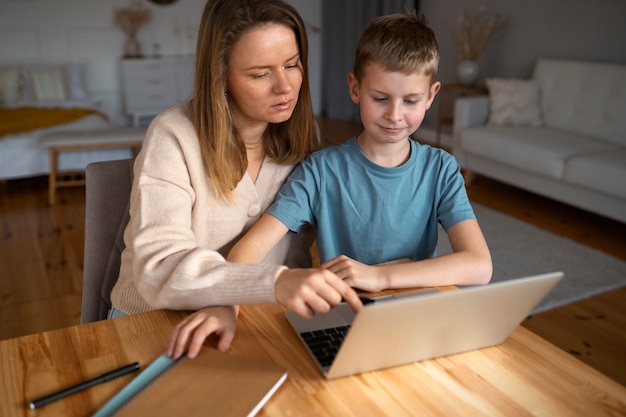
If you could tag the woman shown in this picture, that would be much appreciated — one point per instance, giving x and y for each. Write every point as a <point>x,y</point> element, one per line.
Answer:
<point>209,168</point>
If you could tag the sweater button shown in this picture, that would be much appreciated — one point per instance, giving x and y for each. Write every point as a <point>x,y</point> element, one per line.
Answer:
<point>254,210</point>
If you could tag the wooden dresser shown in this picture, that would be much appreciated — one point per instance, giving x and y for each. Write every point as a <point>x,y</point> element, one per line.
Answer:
<point>151,85</point>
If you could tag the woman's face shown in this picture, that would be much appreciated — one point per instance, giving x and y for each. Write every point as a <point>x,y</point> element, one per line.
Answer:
<point>264,76</point>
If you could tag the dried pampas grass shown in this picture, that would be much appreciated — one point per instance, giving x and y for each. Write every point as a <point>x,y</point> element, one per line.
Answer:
<point>475,31</point>
<point>130,19</point>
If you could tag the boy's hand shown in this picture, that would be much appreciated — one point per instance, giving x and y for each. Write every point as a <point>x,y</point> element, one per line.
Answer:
<point>310,291</point>
<point>356,274</point>
<point>194,329</point>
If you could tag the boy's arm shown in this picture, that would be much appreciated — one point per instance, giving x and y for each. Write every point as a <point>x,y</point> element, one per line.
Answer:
<point>259,241</point>
<point>469,264</point>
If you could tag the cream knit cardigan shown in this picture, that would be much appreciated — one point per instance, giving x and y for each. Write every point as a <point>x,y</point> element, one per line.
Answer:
<point>179,233</point>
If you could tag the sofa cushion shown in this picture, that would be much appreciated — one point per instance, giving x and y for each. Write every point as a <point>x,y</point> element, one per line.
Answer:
<point>586,98</point>
<point>540,150</point>
<point>513,102</point>
<point>603,171</point>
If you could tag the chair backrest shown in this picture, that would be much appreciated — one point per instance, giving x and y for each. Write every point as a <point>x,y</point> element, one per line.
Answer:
<point>108,186</point>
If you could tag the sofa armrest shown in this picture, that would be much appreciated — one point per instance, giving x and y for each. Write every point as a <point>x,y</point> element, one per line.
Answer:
<point>468,112</point>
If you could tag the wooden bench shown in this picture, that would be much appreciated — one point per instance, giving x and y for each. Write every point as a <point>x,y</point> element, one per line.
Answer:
<point>57,142</point>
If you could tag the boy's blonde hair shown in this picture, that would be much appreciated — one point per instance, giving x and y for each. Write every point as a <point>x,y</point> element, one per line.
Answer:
<point>400,43</point>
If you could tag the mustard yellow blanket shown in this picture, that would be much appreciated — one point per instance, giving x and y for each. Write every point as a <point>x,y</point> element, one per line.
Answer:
<point>15,120</point>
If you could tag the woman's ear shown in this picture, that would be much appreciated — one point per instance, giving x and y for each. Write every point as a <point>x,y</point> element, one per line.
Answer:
<point>353,87</point>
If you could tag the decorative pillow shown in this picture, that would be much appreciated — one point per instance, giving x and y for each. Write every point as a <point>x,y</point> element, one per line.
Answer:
<point>514,102</point>
<point>76,81</point>
<point>9,85</point>
<point>48,83</point>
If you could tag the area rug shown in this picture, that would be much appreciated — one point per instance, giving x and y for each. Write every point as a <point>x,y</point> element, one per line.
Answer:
<point>520,249</point>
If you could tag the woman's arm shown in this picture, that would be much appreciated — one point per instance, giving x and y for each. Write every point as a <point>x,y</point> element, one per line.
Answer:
<point>469,264</point>
<point>179,232</point>
<point>304,291</point>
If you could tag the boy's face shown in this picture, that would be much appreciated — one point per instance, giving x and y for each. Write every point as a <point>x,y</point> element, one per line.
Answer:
<point>393,104</point>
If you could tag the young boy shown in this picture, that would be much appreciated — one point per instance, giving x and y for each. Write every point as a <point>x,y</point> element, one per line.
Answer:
<point>380,196</point>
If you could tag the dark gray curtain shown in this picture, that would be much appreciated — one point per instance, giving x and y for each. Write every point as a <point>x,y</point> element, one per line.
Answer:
<point>342,23</point>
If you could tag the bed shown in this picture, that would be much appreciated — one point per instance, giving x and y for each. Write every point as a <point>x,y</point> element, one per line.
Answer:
<point>37,98</point>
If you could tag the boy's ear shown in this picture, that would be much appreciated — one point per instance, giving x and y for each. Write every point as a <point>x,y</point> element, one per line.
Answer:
<point>432,92</point>
<point>353,87</point>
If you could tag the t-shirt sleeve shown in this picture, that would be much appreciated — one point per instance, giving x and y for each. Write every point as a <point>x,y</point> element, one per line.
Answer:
<point>454,205</point>
<point>294,202</point>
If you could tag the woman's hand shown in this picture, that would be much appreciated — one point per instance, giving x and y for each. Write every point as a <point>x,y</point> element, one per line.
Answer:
<point>310,291</point>
<point>194,329</point>
<point>355,274</point>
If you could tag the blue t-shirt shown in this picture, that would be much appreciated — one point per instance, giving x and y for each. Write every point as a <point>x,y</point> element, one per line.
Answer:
<point>372,213</point>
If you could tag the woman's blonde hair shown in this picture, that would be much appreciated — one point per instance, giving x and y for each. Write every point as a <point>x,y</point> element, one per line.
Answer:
<point>224,153</point>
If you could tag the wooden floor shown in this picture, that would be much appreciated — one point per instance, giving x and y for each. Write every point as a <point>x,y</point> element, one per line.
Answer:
<point>41,263</point>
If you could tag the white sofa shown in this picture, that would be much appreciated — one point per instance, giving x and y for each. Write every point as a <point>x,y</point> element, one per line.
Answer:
<point>576,153</point>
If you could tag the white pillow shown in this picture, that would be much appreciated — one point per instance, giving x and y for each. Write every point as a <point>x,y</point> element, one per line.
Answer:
<point>514,102</point>
<point>9,85</point>
<point>48,83</point>
<point>76,81</point>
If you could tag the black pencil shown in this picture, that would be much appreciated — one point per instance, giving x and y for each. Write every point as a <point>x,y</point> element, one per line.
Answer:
<point>79,387</point>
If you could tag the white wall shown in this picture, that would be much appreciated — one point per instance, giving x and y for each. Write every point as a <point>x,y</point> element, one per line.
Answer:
<point>586,30</point>
<point>589,30</point>
<point>83,31</point>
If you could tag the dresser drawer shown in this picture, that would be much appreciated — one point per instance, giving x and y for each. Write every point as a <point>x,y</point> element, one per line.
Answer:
<point>133,85</point>
<point>157,98</point>
<point>142,68</point>
<point>150,86</point>
<point>146,77</point>
<point>185,80</point>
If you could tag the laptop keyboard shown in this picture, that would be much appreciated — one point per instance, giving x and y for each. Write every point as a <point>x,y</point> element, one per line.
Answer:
<point>325,343</point>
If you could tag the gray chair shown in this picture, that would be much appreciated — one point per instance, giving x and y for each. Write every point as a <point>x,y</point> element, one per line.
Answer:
<point>108,186</point>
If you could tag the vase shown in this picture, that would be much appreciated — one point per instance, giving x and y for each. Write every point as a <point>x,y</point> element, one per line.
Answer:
<point>132,49</point>
<point>468,72</point>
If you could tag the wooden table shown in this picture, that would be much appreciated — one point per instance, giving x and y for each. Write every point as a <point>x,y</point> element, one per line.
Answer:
<point>524,376</point>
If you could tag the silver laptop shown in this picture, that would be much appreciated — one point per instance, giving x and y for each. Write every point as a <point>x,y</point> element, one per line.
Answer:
<point>417,325</point>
